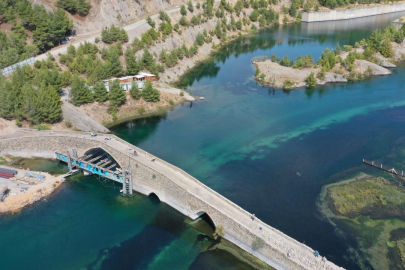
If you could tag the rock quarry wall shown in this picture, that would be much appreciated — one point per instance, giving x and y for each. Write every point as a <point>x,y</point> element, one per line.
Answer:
<point>346,14</point>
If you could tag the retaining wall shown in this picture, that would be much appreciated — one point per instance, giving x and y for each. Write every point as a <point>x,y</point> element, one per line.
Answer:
<point>346,14</point>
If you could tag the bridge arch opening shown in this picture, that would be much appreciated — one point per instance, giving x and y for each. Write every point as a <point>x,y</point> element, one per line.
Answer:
<point>101,159</point>
<point>204,223</point>
<point>154,198</point>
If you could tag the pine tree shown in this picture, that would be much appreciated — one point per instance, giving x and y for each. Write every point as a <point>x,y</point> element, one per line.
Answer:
<point>183,10</point>
<point>100,92</point>
<point>135,93</point>
<point>49,104</point>
<point>133,66</point>
<point>79,92</point>
<point>115,64</point>
<point>83,7</point>
<point>68,5</point>
<point>116,95</point>
<point>148,61</point>
<point>386,48</point>
<point>190,6</point>
<point>30,104</point>
<point>149,93</point>
<point>6,100</point>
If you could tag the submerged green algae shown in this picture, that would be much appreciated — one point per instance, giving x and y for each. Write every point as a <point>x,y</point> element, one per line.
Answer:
<point>371,209</point>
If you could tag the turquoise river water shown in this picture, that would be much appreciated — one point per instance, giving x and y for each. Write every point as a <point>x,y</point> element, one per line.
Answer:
<point>265,149</point>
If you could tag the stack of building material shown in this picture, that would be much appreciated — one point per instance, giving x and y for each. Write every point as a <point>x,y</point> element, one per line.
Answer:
<point>6,173</point>
<point>38,176</point>
<point>3,193</point>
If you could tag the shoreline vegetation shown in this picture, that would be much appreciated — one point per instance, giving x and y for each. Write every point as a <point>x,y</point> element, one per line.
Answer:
<point>371,209</point>
<point>372,57</point>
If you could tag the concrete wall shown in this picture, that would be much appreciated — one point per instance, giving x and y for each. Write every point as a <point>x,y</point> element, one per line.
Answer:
<point>345,14</point>
<point>147,180</point>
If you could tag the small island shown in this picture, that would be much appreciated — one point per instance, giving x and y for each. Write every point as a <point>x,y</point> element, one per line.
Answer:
<point>372,57</point>
<point>372,209</point>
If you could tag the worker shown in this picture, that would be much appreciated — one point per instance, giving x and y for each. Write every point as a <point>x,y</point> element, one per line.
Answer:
<point>135,154</point>
<point>153,159</point>
<point>316,253</point>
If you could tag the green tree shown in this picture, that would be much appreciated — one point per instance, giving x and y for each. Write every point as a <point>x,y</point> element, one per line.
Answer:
<point>49,104</point>
<point>80,92</point>
<point>399,36</point>
<point>311,80</point>
<point>116,95</point>
<point>68,5</point>
<point>254,16</point>
<point>135,92</point>
<point>150,22</point>
<point>100,93</point>
<point>149,93</point>
<point>115,67</point>
<point>386,48</point>
<point>190,6</point>
<point>30,104</point>
<point>328,59</point>
<point>183,10</point>
<point>83,7</point>
<point>338,50</point>
<point>133,66</point>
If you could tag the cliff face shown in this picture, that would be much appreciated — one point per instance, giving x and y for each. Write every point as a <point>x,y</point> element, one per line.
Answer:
<point>118,12</point>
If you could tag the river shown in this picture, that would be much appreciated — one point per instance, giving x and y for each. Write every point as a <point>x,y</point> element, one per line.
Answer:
<point>267,150</point>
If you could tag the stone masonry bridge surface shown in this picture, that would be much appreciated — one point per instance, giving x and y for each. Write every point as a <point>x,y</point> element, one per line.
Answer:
<point>176,188</point>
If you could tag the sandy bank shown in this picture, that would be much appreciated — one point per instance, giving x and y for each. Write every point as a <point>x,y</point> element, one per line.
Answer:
<point>18,197</point>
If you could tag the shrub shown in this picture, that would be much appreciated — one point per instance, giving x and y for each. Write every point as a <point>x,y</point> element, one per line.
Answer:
<point>288,85</point>
<point>171,102</point>
<point>141,110</point>
<point>42,127</point>
<point>311,80</point>
<point>347,48</point>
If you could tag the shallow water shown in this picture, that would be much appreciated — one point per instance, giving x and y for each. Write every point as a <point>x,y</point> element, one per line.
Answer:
<point>268,151</point>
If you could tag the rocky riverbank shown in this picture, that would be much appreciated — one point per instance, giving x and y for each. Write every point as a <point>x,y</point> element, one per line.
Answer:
<point>274,74</point>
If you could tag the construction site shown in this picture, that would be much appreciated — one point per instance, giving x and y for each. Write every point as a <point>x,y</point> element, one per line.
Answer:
<point>19,187</point>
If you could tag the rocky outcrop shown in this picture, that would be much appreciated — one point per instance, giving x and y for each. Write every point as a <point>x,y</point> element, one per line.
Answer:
<point>276,75</point>
<point>80,120</point>
<point>384,62</point>
<point>331,77</point>
<point>376,70</point>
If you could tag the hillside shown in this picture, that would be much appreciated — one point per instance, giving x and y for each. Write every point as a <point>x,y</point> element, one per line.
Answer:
<point>105,13</point>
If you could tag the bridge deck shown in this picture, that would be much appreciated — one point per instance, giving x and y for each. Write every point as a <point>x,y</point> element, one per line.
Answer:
<point>300,254</point>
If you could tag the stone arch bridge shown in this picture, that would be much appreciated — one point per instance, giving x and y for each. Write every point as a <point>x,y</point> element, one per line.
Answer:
<point>176,188</point>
